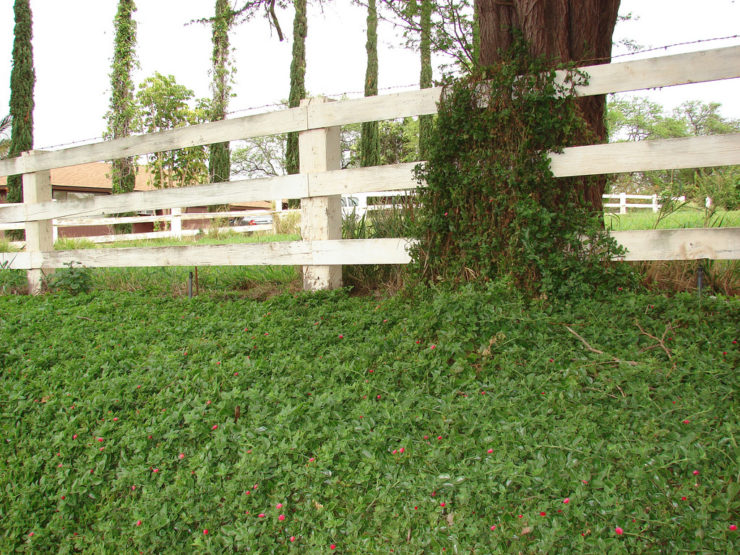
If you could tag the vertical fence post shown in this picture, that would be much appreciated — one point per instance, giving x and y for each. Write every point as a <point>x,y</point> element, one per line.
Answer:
<point>176,223</point>
<point>656,206</point>
<point>622,203</point>
<point>39,235</point>
<point>321,217</point>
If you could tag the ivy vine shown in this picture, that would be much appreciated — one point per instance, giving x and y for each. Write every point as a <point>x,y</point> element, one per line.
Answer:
<point>491,207</point>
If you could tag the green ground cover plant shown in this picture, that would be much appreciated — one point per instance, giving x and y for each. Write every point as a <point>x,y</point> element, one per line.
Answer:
<point>472,421</point>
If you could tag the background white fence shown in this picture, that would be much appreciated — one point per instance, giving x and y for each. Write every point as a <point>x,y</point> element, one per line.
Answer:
<point>321,182</point>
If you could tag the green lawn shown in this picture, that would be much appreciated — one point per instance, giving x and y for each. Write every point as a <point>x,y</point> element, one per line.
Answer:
<point>685,217</point>
<point>466,421</point>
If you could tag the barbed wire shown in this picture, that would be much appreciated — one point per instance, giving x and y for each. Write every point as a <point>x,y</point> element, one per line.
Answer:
<point>667,46</point>
<point>411,86</point>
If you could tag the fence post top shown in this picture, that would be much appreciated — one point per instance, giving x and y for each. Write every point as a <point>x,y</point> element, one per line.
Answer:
<point>320,99</point>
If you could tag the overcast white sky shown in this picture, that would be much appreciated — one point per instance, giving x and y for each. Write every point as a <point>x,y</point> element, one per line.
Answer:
<point>73,43</point>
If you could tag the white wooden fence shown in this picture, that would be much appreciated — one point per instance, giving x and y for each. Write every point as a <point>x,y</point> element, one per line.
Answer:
<point>321,182</point>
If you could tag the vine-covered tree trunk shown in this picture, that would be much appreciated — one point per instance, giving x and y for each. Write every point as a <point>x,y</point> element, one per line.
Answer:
<point>22,80</point>
<point>425,79</point>
<point>219,161</point>
<point>297,80</point>
<point>122,106</point>
<point>563,31</point>
<point>370,139</point>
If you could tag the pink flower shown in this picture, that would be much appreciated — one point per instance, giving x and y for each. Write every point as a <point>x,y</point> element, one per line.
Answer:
<point>394,452</point>
<point>433,347</point>
<point>115,419</point>
<point>261,515</point>
<point>100,439</point>
<point>490,451</point>
<point>181,456</point>
<point>686,421</point>
<point>439,437</point>
<point>138,523</point>
<point>133,488</point>
<point>311,459</point>
<point>74,436</point>
<point>31,534</point>
<point>402,449</point>
<point>279,506</point>
<point>205,532</point>
<point>292,538</point>
<point>543,513</point>
<point>426,437</point>
<point>683,498</point>
<point>733,527</point>
<point>619,531</point>
<point>155,470</point>
<point>214,427</point>
<point>281,517</point>
<point>493,527</point>
<point>332,547</point>
<point>442,504</point>
<point>378,396</point>
<point>695,473</point>
<point>520,516</point>
<point>341,336</point>
<point>566,500</point>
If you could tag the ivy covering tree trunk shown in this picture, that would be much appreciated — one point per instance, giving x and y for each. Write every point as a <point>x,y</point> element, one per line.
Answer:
<point>22,80</point>
<point>219,162</point>
<point>122,112</point>
<point>577,31</point>
<point>370,139</point>
<point>425,79</point>
<point>297,80</point>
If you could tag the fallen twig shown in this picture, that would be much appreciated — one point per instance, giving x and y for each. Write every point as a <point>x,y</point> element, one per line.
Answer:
<point>660,341</point>
<point>597,351</point>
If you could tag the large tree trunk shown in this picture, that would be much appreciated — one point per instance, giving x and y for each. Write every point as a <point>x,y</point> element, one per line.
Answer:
<point>563,31</point>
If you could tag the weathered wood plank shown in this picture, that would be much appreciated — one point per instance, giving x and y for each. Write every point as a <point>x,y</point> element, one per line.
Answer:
<point>272,188</point>
<point>664,71</point>
<point>80,222</point>
<point>372,108</point>
<point>15,261</point>
<point>680,244</point>
<point>665,154</point>
<point>393,177</point>
<point>258,125</point>
<point>331,252</point>
<point>694,67</point>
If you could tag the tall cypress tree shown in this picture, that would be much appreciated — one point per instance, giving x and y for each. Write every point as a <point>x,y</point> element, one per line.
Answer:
<point>425,79</point>
<point>219,164</point>
<point>122,110</point>
<point>370,139</point>
<point>22,80</point>
<point>297,80</point>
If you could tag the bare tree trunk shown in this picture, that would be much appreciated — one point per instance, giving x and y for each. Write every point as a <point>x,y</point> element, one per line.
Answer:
<point>563,31</point>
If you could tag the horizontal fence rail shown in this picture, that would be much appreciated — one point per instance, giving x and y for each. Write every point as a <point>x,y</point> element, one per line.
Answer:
<point>320,183</point>
<point>689,152</point>
<point>709,65</point>
<point>661,244</point>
